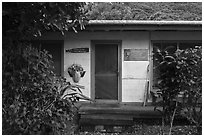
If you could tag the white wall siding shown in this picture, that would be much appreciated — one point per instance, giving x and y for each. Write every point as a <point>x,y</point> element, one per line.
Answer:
<point>133,90</point>
<point>134,78</point>
<point>134,69</point>
<point>78,58</point>
<point>134,72</point>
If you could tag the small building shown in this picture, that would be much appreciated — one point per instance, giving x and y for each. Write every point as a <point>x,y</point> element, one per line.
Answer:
<point>117,56</point>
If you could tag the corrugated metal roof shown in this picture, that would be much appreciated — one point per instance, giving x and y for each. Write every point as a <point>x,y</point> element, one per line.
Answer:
<point>138,22</point>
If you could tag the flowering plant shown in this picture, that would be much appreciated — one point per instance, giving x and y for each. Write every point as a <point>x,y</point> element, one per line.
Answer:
<point>75,67</point>
<point>76,71</point>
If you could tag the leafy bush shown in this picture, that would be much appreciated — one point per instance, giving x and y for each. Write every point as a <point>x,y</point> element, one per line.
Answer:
<point>190,68</point>
<point>169,87</point>
<point>180,84</point>
<point>32,95</point>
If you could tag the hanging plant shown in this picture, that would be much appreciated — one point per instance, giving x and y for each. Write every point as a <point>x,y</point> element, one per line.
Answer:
<point>76,71</point>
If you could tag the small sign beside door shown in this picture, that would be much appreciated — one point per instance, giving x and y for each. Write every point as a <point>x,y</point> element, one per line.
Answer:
<point>77,50</point>
<point>135,54</point>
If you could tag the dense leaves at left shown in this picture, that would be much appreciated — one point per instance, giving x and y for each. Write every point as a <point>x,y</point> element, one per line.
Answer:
<point>32,103</point>
<point>32,95</point>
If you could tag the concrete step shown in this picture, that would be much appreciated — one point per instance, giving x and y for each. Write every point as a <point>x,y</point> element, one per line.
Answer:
<point>114,114</point>
<point>107,116</point>
<point>106,119</point>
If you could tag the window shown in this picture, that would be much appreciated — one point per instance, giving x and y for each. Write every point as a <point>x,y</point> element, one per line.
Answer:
<point>185,45</point>
<point>171,47</point>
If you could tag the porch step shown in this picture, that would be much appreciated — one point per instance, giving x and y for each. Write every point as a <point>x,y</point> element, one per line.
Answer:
<point>105,119</point>
<point>114,114</point>
<point>106,116</point>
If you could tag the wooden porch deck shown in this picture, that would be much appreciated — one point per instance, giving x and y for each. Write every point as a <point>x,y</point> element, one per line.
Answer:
<point>115,114</point>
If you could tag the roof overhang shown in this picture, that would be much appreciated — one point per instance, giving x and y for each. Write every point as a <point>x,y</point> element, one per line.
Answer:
<point>120,25</point>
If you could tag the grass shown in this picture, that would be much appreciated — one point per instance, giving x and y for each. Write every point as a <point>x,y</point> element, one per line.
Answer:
<point>141,127</point>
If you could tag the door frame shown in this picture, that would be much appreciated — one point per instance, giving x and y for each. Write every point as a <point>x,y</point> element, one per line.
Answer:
<point>119,43</point>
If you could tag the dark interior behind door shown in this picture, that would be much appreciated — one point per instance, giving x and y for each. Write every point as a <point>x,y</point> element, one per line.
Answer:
<point>106,71</point>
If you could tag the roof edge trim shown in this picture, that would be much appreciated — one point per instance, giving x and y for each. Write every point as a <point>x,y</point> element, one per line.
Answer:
<point>139,22</point>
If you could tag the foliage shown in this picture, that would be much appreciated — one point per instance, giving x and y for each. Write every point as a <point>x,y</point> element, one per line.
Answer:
<point>169,87</point>
<point>142,127</point>
<point>32,96</point>
<point>180,75</point>
<point>145,129</point>
<point>144,11</point>
<point>75,67</point>
<point>35,18</point>
<point>190,67</point>
<point>76,71</point>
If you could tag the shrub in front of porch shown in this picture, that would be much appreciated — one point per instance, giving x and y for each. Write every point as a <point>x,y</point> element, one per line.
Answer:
<point>31,94</point>
<point>32,100</point>
<point>180,84</point>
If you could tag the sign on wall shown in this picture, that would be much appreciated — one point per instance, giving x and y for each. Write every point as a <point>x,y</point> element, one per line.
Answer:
<point>135,54</point>
<point>77,50</point>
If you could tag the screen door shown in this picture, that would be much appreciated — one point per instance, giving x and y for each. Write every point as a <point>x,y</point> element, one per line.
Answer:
<point>106,71</point>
